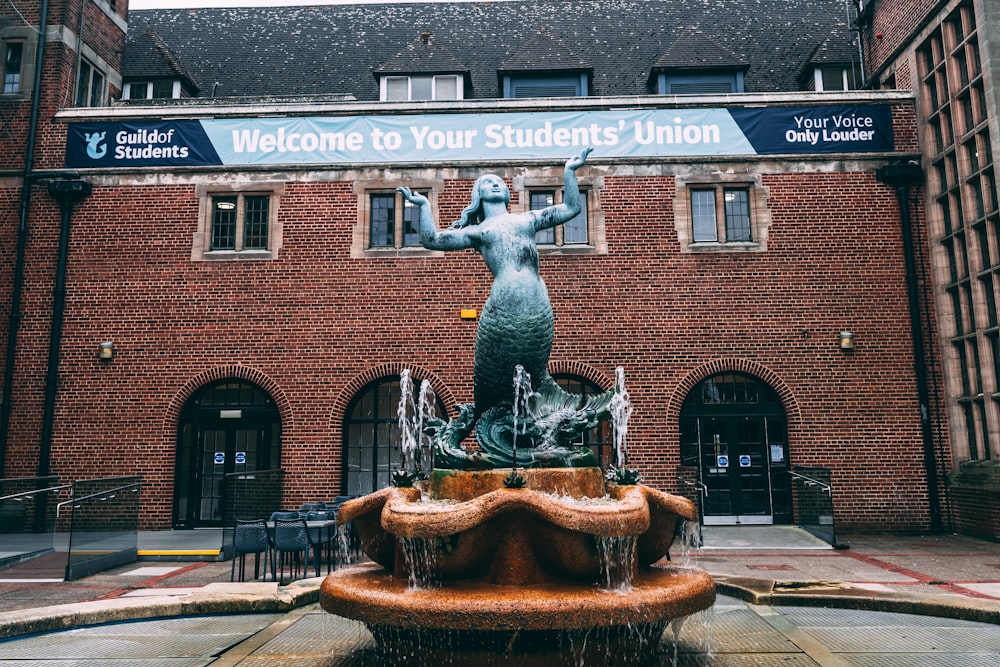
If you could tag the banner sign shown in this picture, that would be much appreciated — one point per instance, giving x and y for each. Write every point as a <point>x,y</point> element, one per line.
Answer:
<point>480,137</point>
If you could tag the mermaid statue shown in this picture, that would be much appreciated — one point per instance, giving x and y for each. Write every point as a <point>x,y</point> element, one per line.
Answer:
<point>513,340</point>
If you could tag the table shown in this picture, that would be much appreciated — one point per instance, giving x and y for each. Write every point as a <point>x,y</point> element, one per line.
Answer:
<point>321,533</point>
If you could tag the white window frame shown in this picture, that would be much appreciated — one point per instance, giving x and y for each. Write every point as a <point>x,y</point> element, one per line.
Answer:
<point>202,248</point>
<point>128,93</point>
<point>435,79</point>
<point>845,79</point>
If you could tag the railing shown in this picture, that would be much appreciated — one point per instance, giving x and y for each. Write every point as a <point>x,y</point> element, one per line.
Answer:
<point>249,495</point>
<point>28,508</point>
<point>694,490</point>
<point>104,527</point>
<point>814,492</point>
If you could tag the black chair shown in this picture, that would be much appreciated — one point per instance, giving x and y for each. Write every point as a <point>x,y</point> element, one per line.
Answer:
<point>326,538</point>
<point>291,538</point>
<point>249,537</point>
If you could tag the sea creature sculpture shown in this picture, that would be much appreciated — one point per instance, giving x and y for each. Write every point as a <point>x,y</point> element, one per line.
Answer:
<point>515,329</point>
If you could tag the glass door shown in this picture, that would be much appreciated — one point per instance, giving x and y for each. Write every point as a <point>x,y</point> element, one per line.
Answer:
<point>733,432</point>
<point>227,427</point>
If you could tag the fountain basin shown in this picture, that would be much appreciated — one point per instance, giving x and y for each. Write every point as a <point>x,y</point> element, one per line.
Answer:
<point>368,593</point>
<point>514,537</point>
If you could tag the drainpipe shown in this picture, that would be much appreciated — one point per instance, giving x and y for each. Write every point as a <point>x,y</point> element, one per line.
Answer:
<point>901,176</point>
<point>22,237</point>
<point>66,191</point>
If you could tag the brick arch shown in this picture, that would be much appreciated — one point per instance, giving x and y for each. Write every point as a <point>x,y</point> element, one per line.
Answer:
<point>583,370</point>
<point>180,399</point>
<point>339,408</point>
<point>793,414</point>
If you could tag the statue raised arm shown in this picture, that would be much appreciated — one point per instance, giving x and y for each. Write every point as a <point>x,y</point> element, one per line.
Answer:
<point>516,324</point>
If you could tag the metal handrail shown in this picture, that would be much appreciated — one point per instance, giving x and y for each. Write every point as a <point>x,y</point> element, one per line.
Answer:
<point>94,495</point>
<point>30,493</point>
<point>697,484</point>
<point>809,481</point>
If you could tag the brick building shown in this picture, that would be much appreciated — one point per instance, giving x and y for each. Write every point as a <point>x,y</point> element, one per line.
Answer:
<point>211,192</point>
<point>948,55</point>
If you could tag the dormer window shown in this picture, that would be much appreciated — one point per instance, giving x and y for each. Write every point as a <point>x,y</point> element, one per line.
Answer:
<point>545,67</point>
<point>152,90</point>
<point>699,83</point>
<point>835,77</point>
<point>424,70</point>
<point>415,88</point>
<point>555,84</point>
<point>694,64</point>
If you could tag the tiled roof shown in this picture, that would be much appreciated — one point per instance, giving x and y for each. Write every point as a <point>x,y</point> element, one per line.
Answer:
<point>543,52</point>
<point>836,48</point>
<point>424,54</point>
<point>147,56</point>
<point>316,50</point>
<point>693,49</point>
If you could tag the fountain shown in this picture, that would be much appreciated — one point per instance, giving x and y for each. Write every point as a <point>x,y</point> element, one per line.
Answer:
<point>518,549</point>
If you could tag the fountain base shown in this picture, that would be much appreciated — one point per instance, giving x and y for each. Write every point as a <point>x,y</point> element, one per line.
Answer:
<point>547,624</point>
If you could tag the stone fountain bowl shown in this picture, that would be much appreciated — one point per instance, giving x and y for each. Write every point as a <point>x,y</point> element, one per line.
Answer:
<point>486,570</point>
<point>474,529</point>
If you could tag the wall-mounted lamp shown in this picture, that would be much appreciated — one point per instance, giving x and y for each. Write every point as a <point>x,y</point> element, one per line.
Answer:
<point>846,341</point>
<point>106,351</point>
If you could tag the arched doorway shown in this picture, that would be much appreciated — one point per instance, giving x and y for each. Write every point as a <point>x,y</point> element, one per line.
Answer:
<point>599,438</point>
<point>227,426</point>
<point>372,436</point>
<point>734,431</point>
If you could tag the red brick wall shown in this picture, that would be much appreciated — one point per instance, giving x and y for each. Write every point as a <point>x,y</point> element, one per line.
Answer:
<point>58,88</point>
<point>315,325</point>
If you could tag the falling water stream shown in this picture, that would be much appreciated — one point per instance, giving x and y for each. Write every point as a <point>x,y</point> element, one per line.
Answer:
<point>621,410</point>
<point>406,412</point>
<point>522,401</point>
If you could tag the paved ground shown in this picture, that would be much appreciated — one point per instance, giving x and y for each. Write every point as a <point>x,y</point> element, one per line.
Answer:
<point>956,577</point>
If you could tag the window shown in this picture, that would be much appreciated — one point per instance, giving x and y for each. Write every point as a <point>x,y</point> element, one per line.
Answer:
<point>699,84</point>
<point>733,225</point>
<point>393,221</point>
<point>599,438</point>
<point>150,90</point>
<point>964,219</point>
<point>387,225</point>
<point>228,212</point>
<point>552,85</point>
<point>413,88</point>
<point>238,225</point>
<point>91,89</point>
<point>835,78</point>
<point>372,436</point>
<point>573,232</point>
<point>12,61</point>
<point>728,216</point>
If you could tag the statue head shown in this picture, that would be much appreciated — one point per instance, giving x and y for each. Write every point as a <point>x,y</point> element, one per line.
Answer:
<point>488,187</point>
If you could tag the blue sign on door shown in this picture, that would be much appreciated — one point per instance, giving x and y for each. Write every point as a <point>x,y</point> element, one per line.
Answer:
<point>744,460</point>
<point>220,458</point>
<point>241,457</point>
<point>722,461</point>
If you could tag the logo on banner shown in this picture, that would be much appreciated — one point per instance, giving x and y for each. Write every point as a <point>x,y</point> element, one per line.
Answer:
<point>96,148</point>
